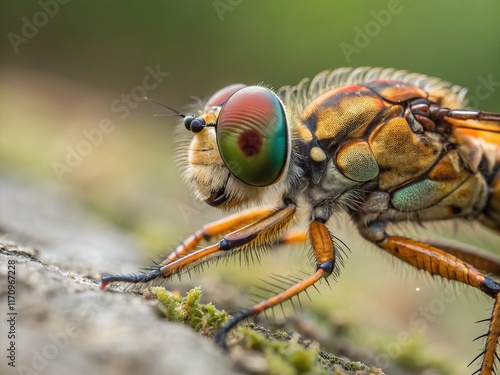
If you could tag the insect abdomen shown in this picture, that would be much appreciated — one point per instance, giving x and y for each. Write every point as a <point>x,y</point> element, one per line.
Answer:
<point>491,212</point>
<point>491,216</point>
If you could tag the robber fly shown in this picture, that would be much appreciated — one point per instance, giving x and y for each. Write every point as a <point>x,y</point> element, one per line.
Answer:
<point>382,145</point>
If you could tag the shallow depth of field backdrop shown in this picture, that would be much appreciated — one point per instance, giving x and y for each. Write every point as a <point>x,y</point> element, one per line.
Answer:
<point>70,71</point>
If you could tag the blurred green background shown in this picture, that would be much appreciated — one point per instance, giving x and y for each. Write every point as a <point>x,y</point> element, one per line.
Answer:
<point>64,69</point>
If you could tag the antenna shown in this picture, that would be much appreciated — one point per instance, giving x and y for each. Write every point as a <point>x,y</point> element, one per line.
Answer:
<point>177,113</point>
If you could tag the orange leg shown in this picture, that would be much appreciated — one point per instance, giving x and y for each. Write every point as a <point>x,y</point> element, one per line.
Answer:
<point>217,228</point>
<point>294,236</point>
<point>443,263</point>
<point>324,252</point>
<point>436,262</point>
<point>265,227</point>
<point>485,262</point>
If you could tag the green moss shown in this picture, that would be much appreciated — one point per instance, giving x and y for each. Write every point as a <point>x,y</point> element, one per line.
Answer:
<point>284,354</point>
<point>204,318</point>
<point>287,354</point>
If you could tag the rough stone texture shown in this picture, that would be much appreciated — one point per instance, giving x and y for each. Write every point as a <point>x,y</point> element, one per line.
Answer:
<point>64,323</point>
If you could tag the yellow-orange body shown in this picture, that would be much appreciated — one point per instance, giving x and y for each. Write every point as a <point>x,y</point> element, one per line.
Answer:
<point>353,144</point>
<point>360,135</point>
<point>381,145</point>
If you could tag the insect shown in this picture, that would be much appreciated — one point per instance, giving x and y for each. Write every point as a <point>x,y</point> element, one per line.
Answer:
<point>381,145</point>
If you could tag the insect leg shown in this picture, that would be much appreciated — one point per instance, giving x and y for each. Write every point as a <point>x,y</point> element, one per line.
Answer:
<point>481,126</point>
<point>293,236</point>
<point>215,229</point>
<point>485,262</point>
<point>490,347</point>
<point>324,251</point>
<point>266,230</point>
<point>439,262</point>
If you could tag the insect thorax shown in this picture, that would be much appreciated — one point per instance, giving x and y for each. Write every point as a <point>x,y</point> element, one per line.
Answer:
<point>356,145</point>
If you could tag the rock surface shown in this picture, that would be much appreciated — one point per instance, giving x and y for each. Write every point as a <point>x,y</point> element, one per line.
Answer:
<point>64,323</point>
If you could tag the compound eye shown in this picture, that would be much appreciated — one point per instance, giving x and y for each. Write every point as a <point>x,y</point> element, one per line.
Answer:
<point>222,95</point>
<point>252,136</point>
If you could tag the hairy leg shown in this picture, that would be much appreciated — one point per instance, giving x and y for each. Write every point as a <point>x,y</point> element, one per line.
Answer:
<point>448,264</point>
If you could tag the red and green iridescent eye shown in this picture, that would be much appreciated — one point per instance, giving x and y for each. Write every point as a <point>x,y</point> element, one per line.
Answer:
<point>252,136</point>
<point>217,99</point>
